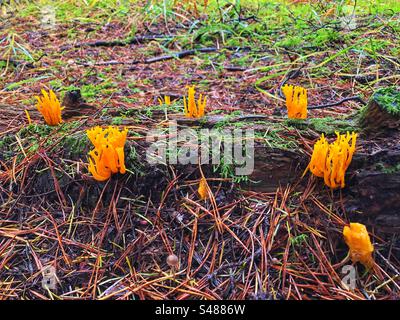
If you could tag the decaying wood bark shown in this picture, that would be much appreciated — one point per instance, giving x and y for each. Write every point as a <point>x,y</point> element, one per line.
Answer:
<point>275,167</point>
<point>376,196</point>
<point>375,187</point>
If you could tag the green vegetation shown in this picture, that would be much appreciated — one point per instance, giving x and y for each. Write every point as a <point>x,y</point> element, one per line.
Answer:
<point>275,137</point>
<point>327,125</point>
<point>389,99</point>
<point>389,169</point>
<point>34,136</point>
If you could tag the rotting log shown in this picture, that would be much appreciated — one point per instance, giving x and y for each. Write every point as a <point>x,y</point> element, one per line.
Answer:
<point>376,195</point>
<point>275,167</point>
<point>372,192</point>
<point>372,189</point>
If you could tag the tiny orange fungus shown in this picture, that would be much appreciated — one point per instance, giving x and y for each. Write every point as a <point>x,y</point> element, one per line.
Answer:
<point>193,110</point>
<point>28,116</point>
<point>202,190</point>
<point>167,100</point>
<point>296,101</point>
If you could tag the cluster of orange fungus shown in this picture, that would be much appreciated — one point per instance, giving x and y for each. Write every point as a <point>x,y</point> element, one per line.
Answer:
<point>296,101</point>
<point>193,109</point>
<point>107,157</point>
<point>330,161</point>
<point>50,108</point>
<point>359,243</point>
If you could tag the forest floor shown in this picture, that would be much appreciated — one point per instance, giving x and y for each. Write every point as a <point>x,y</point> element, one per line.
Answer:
<point>111,240</point>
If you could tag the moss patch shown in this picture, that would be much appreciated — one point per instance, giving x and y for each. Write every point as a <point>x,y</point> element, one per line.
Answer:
<point>388,99</point>
<point>327,126</point>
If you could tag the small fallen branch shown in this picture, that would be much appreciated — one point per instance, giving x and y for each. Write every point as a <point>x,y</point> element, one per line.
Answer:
<point>334,104</point>
<point>180,55</point>
<point>116,43</point>
<point>292,74</point>
<point>177,55</point>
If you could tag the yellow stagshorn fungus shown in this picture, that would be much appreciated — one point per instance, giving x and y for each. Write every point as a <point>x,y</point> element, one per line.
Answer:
<point>108,155</point>
<point>50,108</point>
<point>339,157</point>
<point>167,101</point>
<point>193,110</point>
<point>296,101</point>
<point>28,116</point>
<point>318,158</point>
<point>330,161</point>
<point>359,243</point>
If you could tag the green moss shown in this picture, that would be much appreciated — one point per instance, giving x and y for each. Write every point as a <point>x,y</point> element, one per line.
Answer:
<point>133,162</point>
<point>323,36</point>
<point>91,91</point>
<point>117,121</point>
<point>389,99</point>
<point>385,168</point>
<point>289,42</point>
<point>227,120</point>
<point>227,171</point>
<point>30,137</point>
<point>76,145</point>
<point>16,85</point>
<point>7,143</point>
<point>327,125</point>
<point>35,130</point>
<point>35,135</point>
<point>298,240</point>
<point>275,137</point>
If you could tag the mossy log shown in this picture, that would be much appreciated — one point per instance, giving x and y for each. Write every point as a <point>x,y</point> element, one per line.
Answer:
<point>382,114</point>
<point>280,158</point>
<point>372,189</point>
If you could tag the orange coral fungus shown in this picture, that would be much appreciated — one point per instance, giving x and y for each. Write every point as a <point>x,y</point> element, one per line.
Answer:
<point>191,109</point>
<point>339,157</point>
<point>296,101</point>
<point>359,243</point>
<point>108,155</point>
<point>330,161</point>
<point>318,158</point>
<point>202,190</point>
<point>49,107</point>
